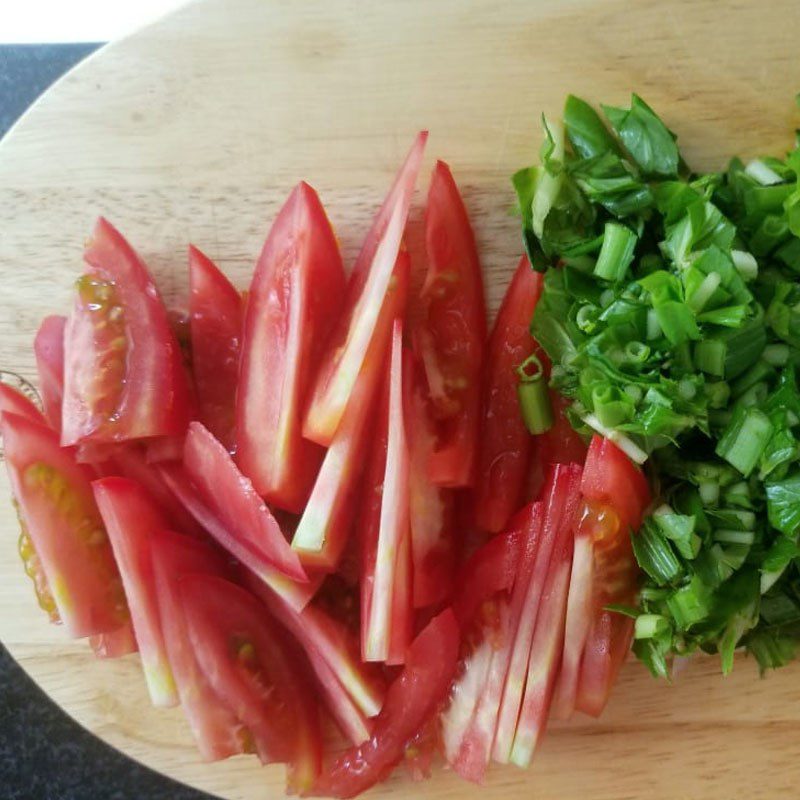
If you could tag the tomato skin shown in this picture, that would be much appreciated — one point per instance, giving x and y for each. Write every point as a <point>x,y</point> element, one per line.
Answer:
<point>256,672</point>
<point>294,300</point>
<point>505,442</point>
<point>59,513</point>
<point>611,478</point>
<point>215,322</point>
<point>116,644</point>
<point>217,731</point>
<point>453,331</point>
<point>13,401</point>
<point>411,700</point>
<point>132,517</point>
<point>232,497</point>
<point>432,508</point>
<point>139,391</point>
<point>324,528</point>
<point>48,347</point>
<point>348,345</point>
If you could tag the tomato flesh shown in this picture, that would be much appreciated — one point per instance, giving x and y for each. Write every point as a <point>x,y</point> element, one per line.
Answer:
<point>132,517</point>
<point>215,323</point>
<point>367,288</point>
<point>62,523</point>
<point>116,644</point>
<point>452,335</point>
<point>505,442</point>
<point>410,702</point>
<point>256,673</point>
<point>13,401</point>
<point>48,347</point>
<point>123,377</point>
<point>294,299</point>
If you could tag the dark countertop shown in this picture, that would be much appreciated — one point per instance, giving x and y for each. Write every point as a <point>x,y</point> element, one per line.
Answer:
<point>44,755</point>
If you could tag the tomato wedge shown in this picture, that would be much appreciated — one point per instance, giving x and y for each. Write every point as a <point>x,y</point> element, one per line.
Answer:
<point>353,691</point>
<point>63,533</point>
<point>349,344</point>
<point>48,347</point>
<point>132,517</point>
<point>13,401</point>
<point>123,376</point>
<point>294,299</point>
<point>215,320</point>
<point>505,442</point>
<point>118,643</point>
<point>219,734</point>
<point>452,335</point>
<point>432,508</point>
<point>611,478</point>
<point>410,702</point>
<point>385,520</point>
<point>324,528</point>
<point>251,666</point>
<point>232,498</point>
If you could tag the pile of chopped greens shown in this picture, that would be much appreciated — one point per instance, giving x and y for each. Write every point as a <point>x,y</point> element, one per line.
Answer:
<point>671,315</point>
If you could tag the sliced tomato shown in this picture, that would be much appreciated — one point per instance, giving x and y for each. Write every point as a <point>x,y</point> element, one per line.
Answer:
<point>13,401</point>
<point>215,324</point>
<point>353,691</point>
<point>402,612</point>
<point>164,448</point>
<point>217,731</point>
<point>505,442</point>
<point>132,517</point>
<point>297,595</point>
<point>118,643</point>
<point>48,347</point>
<point>347,349</point>
<point>611,478</point>
<point>251,666</point>
<point>324,528</point>
<point>410,702</point>
<point>452,333</point>
<point>534,650</point>
<point>385,519</point>
<point>294,299</point>
<point>130,461</point>
<point>235,502</point>
<point>65,531</point>
<point>123,376</point>
<point>432,508</point>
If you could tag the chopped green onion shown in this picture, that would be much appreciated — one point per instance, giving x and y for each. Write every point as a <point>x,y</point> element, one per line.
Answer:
<point>616,254</point>
<point>745,439</point>
<point>647,626</point>
<point>534,397</point>
<point>710,356</point>
<point>776,355</point>
<point>704,292</point>
<point>718,394</point>
<point>761,173</point>
<point>746,264</point>
<point>690,604</point>
<point>627,445</point>
<point>655,555</point>
<point>548,185</point>
<point>734,537</point>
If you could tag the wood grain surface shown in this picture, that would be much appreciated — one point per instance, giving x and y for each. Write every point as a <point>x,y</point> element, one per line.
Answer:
<point>196,128</point>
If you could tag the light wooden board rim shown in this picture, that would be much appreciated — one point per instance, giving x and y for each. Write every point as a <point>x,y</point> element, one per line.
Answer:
<point>196,128</point>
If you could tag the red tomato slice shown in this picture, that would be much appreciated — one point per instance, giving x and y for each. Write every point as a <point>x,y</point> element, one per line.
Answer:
<point>452,334</point>
<point>48,347</point>
<point>250,665</point>
<point>412,699</point>
<point>297,595</point>
<point>324,528</point>
<point>60,519</point>
<point>432,508</point>
<point>232,497</point>
<point>347,349</point>
<point>164,448</point>
<point>505,441</point>
<point>215,314</point>
<point>402,613</point>
<point>385,519</point>
<point>534,650</point>
<point>118,643</point>
<point>132,517</point>
<point>219,734</point>
<point>353,691</point>
<point>123,375</point>
<point>294,299</point>
<point>611,478</point>
<point>13,401</point>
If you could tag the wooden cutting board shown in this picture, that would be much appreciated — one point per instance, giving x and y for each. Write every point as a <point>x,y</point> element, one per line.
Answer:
<point>195,130</point>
